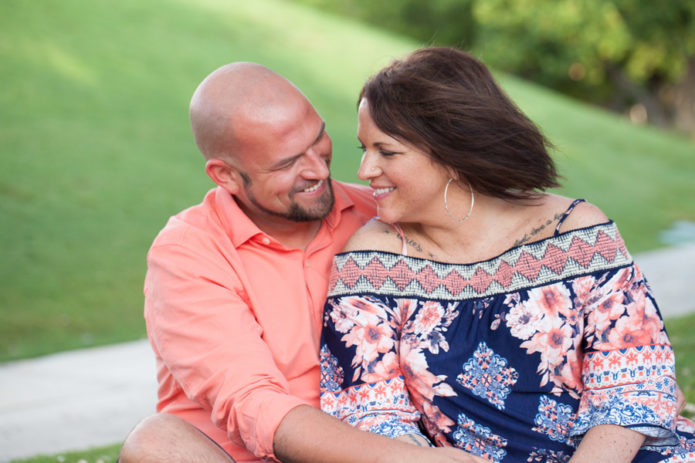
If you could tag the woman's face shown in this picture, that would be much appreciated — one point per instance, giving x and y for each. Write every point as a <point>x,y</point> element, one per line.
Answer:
<point>408,185</point>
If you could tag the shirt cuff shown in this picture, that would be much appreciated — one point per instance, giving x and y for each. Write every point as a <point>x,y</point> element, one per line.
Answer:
<point>257,426</point>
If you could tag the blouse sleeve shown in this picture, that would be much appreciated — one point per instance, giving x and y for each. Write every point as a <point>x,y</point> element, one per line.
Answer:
<point>628,366</point>
<point>361,379</point>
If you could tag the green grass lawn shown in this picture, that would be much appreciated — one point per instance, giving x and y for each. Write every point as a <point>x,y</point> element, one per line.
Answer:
<point>107,454</point>
<point>680,331</point>
<point>96,151</point>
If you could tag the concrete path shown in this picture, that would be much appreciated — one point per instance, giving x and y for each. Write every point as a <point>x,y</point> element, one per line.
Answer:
<point>75,400</point>
<point>671,276</point>
<point>88,398</point>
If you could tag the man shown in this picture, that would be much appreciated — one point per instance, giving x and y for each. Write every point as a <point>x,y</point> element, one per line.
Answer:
<point>235,288</point>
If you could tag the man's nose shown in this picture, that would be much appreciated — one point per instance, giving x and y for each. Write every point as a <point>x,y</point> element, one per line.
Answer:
<point>316,165</point>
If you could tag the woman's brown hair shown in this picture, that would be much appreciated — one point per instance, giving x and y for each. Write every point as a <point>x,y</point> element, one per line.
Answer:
<point>446,103</point>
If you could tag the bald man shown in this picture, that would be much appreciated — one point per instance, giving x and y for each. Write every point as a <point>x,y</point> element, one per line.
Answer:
<point>235,288</point>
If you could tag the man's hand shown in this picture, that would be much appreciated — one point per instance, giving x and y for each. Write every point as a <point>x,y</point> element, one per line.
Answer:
<point>680,400</point>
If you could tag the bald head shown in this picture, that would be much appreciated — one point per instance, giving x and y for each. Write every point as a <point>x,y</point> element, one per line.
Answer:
<point>235,100</point>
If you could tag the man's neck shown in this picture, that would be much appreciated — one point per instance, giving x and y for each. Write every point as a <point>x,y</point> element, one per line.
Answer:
<point>290,233</point>
<point>294,235</point>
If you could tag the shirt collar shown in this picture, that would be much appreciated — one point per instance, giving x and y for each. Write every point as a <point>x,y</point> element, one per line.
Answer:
<point>241,229</point>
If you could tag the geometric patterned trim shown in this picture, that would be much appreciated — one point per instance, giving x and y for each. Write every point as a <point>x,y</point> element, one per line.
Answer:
<point>628,366</point>
<point>355,403</point>
<point>570,254</point>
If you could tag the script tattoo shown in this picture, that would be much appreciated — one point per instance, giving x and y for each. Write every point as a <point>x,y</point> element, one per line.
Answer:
<point>527,236</point>
<point>414,244</point>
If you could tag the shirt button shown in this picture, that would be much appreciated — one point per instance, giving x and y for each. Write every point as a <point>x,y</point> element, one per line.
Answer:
<point>266,241</point>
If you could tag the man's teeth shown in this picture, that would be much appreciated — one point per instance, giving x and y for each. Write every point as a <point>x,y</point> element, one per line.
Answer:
<point>381,191</point>
<point>313,188</point>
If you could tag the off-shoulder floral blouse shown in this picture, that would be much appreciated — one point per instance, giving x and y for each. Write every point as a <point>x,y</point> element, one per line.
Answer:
<point>512,359</point>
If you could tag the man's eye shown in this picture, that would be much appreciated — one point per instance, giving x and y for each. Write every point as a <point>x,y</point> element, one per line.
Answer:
<point>285,166</point>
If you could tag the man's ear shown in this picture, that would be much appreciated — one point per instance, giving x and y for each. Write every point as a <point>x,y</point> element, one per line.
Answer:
<point>224,175</point>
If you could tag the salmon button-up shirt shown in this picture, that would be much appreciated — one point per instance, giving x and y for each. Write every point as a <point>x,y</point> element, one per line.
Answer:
<point>234,317</point>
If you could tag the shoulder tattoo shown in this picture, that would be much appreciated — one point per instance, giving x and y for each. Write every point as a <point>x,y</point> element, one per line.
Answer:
<point>410,242</point>
<point>534,231</point>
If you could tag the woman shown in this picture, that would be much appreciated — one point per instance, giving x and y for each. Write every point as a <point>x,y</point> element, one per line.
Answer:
<point>509,322</point>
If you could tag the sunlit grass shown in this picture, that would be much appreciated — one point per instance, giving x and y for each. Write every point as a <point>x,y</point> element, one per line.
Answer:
<point>108,454</point>
<point>96,151</point>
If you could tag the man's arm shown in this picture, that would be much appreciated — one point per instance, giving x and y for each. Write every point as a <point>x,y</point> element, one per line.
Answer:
<point>307,435</point>
<point>212,345</point>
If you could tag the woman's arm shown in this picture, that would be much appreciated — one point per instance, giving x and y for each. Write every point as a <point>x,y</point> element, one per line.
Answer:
<point>608,443</point>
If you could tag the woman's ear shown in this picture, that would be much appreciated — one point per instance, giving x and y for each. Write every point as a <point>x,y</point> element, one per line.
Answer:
<point>224,175</point>
<point>452,173</point>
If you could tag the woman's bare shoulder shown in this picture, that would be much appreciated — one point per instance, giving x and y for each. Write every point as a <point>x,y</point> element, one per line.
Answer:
<point>584,214</point>
<point>374,236</point>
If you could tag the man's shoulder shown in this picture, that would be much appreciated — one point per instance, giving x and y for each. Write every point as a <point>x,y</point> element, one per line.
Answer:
<point>192,221</point>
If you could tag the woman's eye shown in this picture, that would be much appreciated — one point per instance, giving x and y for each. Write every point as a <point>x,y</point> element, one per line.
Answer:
<point>361,148</point>
<point>386,153</point>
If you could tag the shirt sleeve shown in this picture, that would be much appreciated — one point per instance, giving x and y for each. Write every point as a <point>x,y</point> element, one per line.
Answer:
<point>205,332</point>
<point>628,367</point>
<point>361,376</point>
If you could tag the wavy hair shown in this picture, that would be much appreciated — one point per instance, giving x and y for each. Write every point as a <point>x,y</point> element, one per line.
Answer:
<point>446,103</point>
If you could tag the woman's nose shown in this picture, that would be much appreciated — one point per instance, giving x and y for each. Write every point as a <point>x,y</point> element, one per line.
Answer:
<point>368,167</point>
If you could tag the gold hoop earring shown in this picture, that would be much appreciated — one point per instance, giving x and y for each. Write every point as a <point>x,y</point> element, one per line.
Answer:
<point>446,204</point>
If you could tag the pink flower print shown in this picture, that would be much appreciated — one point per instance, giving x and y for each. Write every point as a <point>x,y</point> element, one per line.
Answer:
<point>421,382</point>
<point>428,318</point>
<point>367,305</point>
<point>371,338</point>
<point>342,315</point>
<point>604,312</point>
<point>644,309</point>
<point>629,332</point>
<point>583,288</point>
<point>553,342</point>
<point>550,300</point>
<point>569,374</point>
<point>404,310</point>
<point>386,368</point>
<point>523,320</point>
<point>436,423</point>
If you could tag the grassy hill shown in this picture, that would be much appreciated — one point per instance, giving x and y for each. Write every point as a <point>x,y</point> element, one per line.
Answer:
<point>96,151</point>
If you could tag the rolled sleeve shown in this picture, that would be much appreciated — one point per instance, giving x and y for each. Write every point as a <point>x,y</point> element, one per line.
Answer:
<point>200,323</point>
<point>642,398</point>
<point>628,368</point>
<point>362,384</point>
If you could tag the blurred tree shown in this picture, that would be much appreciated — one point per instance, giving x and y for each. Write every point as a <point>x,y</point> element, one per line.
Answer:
<point>434,21</point>
<point>631,56</point>
<point>622,53</point>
